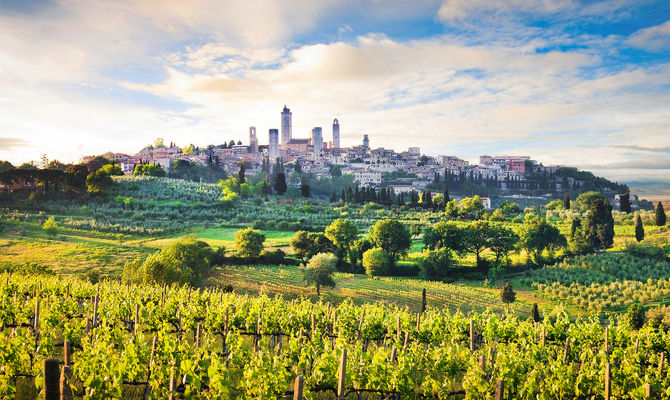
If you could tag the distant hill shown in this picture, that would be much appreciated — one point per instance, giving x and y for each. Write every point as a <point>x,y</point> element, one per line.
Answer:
<point>652,191</point>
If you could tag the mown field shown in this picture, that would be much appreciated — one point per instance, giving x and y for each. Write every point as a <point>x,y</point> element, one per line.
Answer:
<point>288,281</point>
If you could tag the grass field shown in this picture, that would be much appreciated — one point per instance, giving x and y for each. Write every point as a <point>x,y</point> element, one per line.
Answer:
<point>288,281</point>
<point>217,237</point>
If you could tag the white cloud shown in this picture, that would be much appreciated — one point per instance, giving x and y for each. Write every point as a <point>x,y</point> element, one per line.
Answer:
<point>656,38</point>
<point>462,9</point>
<point>234,64</point>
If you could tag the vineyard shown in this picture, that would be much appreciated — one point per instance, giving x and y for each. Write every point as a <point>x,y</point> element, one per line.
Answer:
<point>605,281</point>
<point>135,342</point>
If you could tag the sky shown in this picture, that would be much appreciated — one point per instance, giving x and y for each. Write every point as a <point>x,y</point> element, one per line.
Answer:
<point>570,82</point>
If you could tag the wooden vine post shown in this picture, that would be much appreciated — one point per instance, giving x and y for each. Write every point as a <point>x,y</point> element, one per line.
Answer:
<point>360,325</point>
<point>660,365</point>
<point>608,384</point>
<point>500,388</point>
<point>398,329</point>
<point>298,387</point>
<point>136,325</point>
<point>472,335</point>
<point>648,391</point>
<point>95,307</point>
<point>342,373</point>
<point>566,350</point>
<point>173,385</point>
<point>51,379</point>
<point>36,320</point>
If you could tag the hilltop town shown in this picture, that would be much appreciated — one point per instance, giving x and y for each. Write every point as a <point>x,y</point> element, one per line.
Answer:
<point>402,172</point>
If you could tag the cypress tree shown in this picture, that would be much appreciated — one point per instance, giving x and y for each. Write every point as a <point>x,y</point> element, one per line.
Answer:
<point>507,294</point>
<point>566,201</point>
<point>240,175</point>
<point>661,218</point>
<point>424,302</point>
<point>624,202</point>
<point>600,224</point>
<point>343,197</point>
<point>446,195</point>
<point>333,198</point>
<point>280,184</point>
<point>535,313</point>
<point>304,190</point>
<point>639,229</point>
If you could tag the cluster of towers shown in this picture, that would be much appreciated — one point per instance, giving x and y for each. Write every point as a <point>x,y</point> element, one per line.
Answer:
<point>287,136</point>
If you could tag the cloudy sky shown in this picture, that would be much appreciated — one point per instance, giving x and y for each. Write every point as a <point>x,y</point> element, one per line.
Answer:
<point>583,83</point>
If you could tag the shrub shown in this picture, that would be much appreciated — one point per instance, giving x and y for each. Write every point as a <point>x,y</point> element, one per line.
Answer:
<point>283,226</point>
<point>258,224</point>
<point>274,257</point>
<point>436,263</point>
<point>249,242</point>
<point>183,261</point>
<point>376,262</point>
<point>92,275</point>
<point>635,316</point>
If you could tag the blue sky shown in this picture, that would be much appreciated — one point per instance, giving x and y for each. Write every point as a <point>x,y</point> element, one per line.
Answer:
<point>582,83</point>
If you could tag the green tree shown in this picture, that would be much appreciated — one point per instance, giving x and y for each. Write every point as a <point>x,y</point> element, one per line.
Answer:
<point>319,271</point>
<point>249,242</point>
<point>376,262</point>
<point>240,175</point>
<point>584,200</point>
<point>507,295</point>
<point>230,188</point>
<point>188,150</point>
<point>446,234</point>
<point>535,313</point>
<point>477,238</point>
<point>566,201</point>
<point>436,263</point>
<point>624,202</point>
<point>639,228</point>
<point>98,182</point>
<point>661,218</point>
<point>182,261</point>
<point>392,236</point>
<point>599,225</point>
<point>304,190</point>
<point>579,242</point>
<point>358,247</point>
<point>5,166</point>
<point>280,183</point>
<point>150,169</point>
<point>501,241</point>
<point>636,316</point>
<point>342,233</point>
<point>424,301</point>
<point>302,244</point>
<point>470,207</point>
<point>536,235</point>
<point>438,201</point>
<point>50,227</point>
<point>111,170</point>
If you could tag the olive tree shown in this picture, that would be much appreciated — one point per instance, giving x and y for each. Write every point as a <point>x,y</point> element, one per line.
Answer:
<point>319,271</point>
